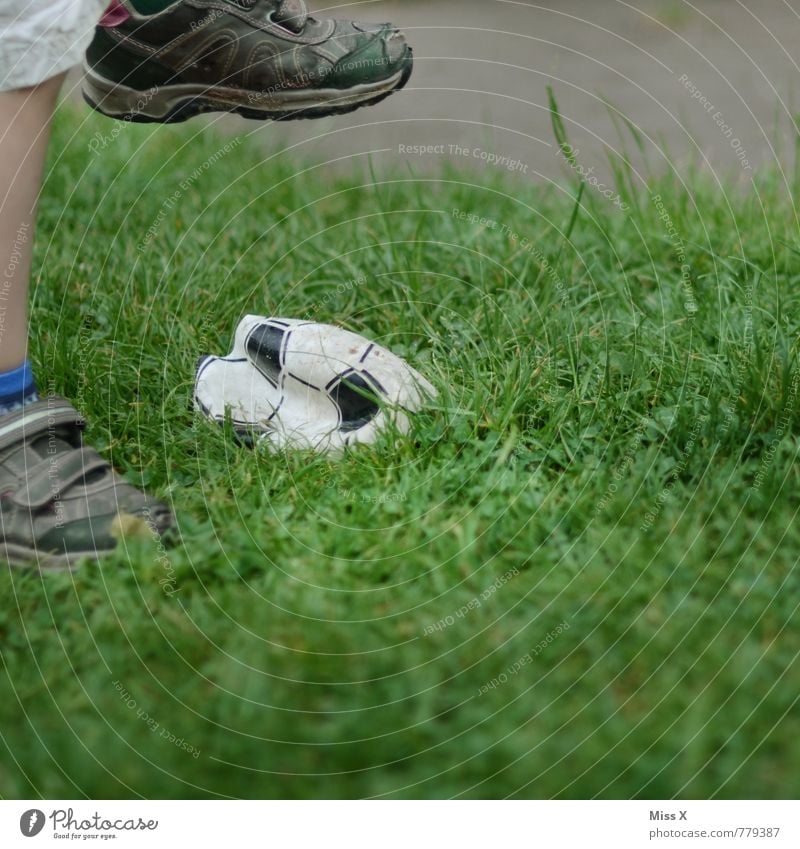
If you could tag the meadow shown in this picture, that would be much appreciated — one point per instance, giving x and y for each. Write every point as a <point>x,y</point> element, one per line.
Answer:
<point>576,577</point>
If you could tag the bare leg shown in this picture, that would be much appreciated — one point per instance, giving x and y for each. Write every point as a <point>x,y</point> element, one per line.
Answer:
<point>24,129</point>
<point>53,518</point>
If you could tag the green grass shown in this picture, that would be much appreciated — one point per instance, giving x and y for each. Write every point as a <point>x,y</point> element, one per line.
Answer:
<point>607,490</point>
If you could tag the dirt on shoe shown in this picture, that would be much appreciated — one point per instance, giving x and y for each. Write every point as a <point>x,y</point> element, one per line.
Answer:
<point>262,59</point>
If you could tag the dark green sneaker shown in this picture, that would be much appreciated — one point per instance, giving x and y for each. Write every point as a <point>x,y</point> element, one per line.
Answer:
<point>263,59</point>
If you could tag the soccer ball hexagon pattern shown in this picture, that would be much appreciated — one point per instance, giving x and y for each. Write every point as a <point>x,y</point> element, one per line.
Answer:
<point>302,384</point>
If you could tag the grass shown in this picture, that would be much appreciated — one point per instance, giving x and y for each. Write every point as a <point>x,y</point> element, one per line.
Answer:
<point>578,576</point>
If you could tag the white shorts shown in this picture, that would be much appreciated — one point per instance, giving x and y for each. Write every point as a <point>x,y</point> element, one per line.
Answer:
<point>41,38</point>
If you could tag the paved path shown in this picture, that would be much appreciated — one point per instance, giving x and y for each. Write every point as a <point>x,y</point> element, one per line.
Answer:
<point>713,79</point>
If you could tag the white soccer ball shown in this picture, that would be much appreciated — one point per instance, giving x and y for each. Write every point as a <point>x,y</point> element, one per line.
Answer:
<point>302,384</point>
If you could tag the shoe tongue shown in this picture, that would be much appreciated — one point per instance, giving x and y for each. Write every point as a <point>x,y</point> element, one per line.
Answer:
<point>291,14</point>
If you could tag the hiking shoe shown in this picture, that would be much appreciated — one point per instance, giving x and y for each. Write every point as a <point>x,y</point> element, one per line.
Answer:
<point>263,59</point>
<point>61,502</point>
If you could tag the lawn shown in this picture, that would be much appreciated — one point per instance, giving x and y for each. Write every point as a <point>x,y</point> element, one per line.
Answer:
<point>576,578</point>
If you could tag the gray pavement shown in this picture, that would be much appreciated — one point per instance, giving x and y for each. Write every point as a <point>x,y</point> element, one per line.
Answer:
<point>714,80</point>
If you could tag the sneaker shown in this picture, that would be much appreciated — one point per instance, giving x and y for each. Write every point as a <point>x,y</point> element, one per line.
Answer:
<point>60,501</point>
<point>263,59</point>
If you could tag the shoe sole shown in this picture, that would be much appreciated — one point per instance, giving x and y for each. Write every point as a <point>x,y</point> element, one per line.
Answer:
<point>19,556</point>
<point>176,103</point>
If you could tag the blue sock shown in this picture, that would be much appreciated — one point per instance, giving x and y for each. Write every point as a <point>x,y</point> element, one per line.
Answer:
<point>17,388</point>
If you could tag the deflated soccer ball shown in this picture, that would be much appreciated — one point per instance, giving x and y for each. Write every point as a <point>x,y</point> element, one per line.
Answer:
<point>302,384</point>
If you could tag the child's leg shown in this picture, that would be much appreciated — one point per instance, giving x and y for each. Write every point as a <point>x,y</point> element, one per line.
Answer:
<point>60,501</point>
<point>38,43</point>
<point>25,120</point>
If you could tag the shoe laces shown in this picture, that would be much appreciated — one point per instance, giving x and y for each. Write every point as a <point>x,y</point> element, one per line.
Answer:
<point>290,14</point>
